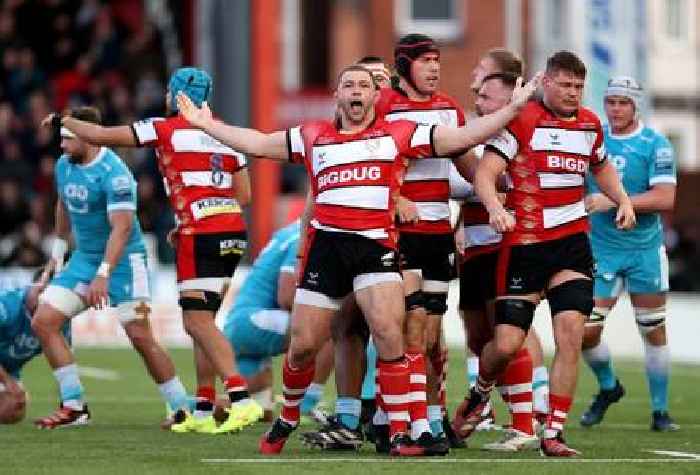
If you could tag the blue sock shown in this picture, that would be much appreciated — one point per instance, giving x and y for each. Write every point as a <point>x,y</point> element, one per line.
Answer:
<point>69,386</point>
<point>313,395</point>
<point>174,394</point>
<point>657,366</point>
<point>368,384</point>
<point>435,420</point>
<point>348,410</point>
<point>598,359</point>
<point>472,370</point>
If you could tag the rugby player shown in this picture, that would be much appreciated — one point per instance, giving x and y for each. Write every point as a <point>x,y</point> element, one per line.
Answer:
<point>18,345</point>
<point>635,260</point>
<point>356,165</point>
<point>546,151</point>
<point>208,185</point>
<point>97,205</point>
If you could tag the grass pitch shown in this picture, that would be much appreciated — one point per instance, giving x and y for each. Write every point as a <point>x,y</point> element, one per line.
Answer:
<point>124,437</point>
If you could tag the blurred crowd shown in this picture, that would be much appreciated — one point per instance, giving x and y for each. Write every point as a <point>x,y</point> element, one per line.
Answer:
<point>57,54</point>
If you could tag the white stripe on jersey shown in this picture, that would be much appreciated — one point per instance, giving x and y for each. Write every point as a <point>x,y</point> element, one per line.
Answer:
<point>433,169</point>
<point>207,179</point>
<point>556,216</point>
<point>433,210</point>
<point>381,149</point>
<point>189,140</point>
<point>376,233</point>
<point>669,179</point>
<point>561,140</point>
<point>139,276</point>
<point>421,136</point>
<point>433,117</point>
<point>296,141</point>
<point>146,131</point>
<point>368,197</point>
<point>504,142</point>
<point>121,207</point>
<point>560,180</point>
<point>481,235</point>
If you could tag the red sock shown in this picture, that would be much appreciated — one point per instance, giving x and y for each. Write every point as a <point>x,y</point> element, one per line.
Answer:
<point>206,396</point>
<point>236,388</point>
<point>518,380</point>
<point>418,403</point>
<point>440,366</point>
<point>558,410</point>
<point>394,386</point>
<point>294,384</point>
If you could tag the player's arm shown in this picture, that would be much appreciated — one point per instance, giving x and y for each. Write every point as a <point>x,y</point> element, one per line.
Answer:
<point>60,242</point>
<point>95,134</point>
<point>450,140</point>
<point>661,195</point>
<point>248,141</point>
<point>609,183</point>
<point>491,167</point>
<point>241,186</point>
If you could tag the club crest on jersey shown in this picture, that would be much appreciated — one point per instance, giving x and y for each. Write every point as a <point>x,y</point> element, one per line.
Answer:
<point>372,145</point>
<point>554,138</point>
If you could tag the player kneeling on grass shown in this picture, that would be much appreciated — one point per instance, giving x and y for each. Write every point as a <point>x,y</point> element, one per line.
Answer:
<point>18,345</point>
<point>257,326</point>
<point>97,203</point>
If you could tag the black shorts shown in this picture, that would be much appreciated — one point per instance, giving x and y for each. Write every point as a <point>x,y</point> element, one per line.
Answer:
<point>432,254</point>
<point>477,281</point>
<point>333,262</point>
<point>527,269</point>
<point>203,259</point>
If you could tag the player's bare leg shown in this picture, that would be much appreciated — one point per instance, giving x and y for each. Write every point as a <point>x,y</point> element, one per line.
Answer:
<point>46,324</point>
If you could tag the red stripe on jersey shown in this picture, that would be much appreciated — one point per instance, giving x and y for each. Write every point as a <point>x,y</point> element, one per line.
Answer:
<point>432,190</point>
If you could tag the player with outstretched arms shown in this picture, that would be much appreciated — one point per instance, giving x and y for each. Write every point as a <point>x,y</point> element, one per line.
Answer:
<point>207,184</point>
<point>636,259</point>
<point>97,205</point>
<point>547,150</point>
<point>356,165</point>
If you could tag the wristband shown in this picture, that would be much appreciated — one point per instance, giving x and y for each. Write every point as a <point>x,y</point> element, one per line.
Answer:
<point>103,270</point>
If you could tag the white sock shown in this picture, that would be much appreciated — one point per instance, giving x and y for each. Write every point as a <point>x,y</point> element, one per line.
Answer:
<point>174,394</point>
<point>69,386</point>
<point>540,390</point>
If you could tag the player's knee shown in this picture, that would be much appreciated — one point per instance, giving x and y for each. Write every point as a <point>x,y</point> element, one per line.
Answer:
<point>301,354</point>
<point>649,319</point>
<point>515,312</point>
<point>591,336</point>
<point>200,301</point>
<point>575,294</point>
<point>435,303</point>
<point>43,324</point>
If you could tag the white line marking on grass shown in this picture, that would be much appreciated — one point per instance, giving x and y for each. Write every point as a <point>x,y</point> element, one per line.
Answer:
<point>443,460</point>
<point>672,453</point>
<point>99,373</point>
<point>640,426</point>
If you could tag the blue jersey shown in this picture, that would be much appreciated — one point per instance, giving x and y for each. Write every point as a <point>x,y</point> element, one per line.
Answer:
<point>260,287</point>
<point>90,192</point>
<point>643,159</point>
<point>18,344</point>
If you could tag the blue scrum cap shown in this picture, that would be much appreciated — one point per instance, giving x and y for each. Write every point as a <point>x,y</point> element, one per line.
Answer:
<point>194,82</point>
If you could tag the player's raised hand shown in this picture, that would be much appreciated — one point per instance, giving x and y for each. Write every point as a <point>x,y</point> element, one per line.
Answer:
<point>523,92</point>
<point>625,218</point>
<point>501,220</point>
<point>197,116</point>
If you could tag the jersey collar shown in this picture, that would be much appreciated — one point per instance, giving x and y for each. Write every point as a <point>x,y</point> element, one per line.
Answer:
<point>98,158</point>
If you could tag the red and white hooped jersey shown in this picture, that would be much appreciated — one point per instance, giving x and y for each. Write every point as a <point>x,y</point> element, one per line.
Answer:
<point>198,174</point>
<point>478,236</point>
<point>355,177</point>
<point>548,158</point>
<point>427,181</point>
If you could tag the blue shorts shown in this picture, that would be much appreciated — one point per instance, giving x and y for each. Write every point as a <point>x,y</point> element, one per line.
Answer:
<point>640,271</point>
<point>129,280</point>
<point>256,336</point>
